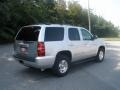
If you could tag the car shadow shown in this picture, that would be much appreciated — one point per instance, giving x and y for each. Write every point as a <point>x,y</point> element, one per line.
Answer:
<point>37,74</point>
<point>81,66</point>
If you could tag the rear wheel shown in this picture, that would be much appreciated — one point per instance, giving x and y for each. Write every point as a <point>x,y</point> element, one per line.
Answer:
<point>62,65</point>
<point>100,55</point>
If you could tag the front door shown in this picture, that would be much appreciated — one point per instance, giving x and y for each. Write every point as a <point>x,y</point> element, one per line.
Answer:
<point>88,43</point>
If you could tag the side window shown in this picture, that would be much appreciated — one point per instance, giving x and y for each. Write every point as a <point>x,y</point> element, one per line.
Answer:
<point>73,34</point>
<point>86,35</point>
<point>54,34</point>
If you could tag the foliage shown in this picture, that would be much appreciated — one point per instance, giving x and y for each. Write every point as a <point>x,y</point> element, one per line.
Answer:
<point>17,13</point>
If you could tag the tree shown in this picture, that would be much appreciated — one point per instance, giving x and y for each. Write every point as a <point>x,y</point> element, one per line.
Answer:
<point>17,13</point>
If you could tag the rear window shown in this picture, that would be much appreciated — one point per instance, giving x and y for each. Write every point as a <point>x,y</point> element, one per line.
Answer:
<point>54,33</point>
<point>28,33</point>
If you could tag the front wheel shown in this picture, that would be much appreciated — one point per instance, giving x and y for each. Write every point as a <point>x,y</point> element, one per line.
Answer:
<point>62,65</point>
<point>100,55</point>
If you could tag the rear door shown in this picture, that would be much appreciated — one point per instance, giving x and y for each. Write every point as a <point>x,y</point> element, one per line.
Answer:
<point>26,42</point>
<point>54,39</point>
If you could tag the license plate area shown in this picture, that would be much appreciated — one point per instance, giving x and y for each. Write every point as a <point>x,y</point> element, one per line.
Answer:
<point>23,50</point>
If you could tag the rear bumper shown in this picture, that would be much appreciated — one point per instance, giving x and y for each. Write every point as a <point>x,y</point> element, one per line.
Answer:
<point>39,62</point>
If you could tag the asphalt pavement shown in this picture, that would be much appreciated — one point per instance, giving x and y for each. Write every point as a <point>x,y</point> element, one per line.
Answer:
<point>85,76</point>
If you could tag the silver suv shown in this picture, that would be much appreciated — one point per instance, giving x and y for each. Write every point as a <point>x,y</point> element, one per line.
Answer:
<point>56,46</point>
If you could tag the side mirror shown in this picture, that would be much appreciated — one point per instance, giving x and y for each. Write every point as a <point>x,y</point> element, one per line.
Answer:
<point>95,37</point>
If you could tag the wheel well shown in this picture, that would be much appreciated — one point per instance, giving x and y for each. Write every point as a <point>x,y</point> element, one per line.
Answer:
<point>68,53</point>
<point>102,47</point>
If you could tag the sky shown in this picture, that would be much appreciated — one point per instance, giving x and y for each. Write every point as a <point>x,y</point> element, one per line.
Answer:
<point>108,9</point>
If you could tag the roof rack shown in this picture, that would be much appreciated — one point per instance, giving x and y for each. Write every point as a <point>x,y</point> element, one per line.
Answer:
<point>47,23</point>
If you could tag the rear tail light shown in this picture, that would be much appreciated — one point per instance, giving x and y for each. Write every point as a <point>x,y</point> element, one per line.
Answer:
<point>40,49</point>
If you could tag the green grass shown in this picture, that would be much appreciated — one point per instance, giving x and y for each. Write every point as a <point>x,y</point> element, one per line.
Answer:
<point>111,39</point>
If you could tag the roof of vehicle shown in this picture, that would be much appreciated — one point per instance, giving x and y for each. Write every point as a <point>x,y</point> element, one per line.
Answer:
<point>57,25</point>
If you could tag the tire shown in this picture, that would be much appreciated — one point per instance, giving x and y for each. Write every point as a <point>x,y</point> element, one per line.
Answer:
<point>62,65</point>
<point>100,55</point>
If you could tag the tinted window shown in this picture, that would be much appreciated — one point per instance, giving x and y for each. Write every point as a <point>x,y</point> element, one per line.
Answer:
<point>73,34</point>
<point>86,35</point>
<point>54,33</point>
<point>28,34</point>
